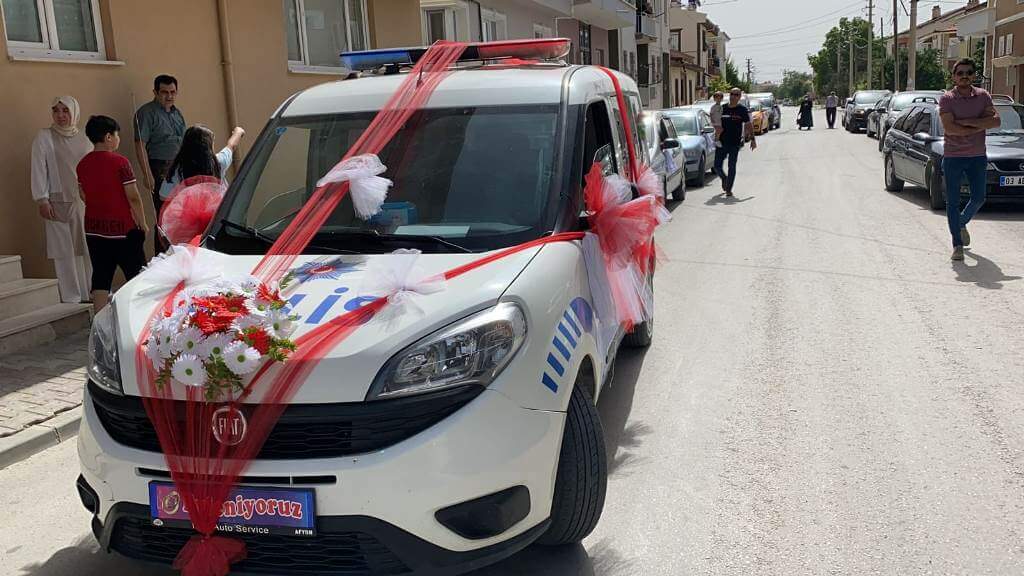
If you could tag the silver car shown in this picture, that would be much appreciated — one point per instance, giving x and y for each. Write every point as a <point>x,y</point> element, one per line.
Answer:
<point>659,134</point>
<point>696,136</point>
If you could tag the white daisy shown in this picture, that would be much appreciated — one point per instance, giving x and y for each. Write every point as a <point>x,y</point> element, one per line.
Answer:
<point>153,353</point>
<point>241,358</point>
<point>280,324</point>
<point>188,369</point>
<point>189,340</point>
<point>249,284</point>
<point>215,345</point>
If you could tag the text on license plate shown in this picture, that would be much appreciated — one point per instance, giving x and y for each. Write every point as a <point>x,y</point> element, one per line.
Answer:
<point>246,510</point>
<point>1011,180</point>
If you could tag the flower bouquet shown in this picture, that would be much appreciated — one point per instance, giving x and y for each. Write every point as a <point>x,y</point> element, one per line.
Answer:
<point>216,335</point>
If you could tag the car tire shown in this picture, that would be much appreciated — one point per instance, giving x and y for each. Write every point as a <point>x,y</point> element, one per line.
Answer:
<point>698,181</point>
<point>936,191</point>
<point>582,477</point>
<point>642,334</point>
<point>892,183</point>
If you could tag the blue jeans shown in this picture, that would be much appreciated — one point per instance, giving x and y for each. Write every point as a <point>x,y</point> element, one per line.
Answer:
<point>955,170</point>
<point>732,152</point>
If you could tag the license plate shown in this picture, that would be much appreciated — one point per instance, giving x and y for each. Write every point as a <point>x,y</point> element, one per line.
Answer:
<point>246,510</point>
<point>1011,180</point>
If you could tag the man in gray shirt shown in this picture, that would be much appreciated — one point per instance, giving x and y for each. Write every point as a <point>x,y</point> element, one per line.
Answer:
<point>831,103</point>
<point>159,128</point>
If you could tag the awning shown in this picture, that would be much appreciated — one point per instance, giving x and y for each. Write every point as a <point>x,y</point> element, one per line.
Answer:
<point>1007,61</point>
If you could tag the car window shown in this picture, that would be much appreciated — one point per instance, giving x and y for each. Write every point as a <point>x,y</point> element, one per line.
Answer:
<point>867,97</point>
<point>923,122</point>
<point>907,119</point>
<point>668,130</point>
<point>685,123</point>
<point>598,145</point>
<point>1011,118</point>
<point>883,103</point>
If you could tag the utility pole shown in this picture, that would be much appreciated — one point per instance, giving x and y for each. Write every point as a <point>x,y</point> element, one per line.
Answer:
<point>912,47</point>
<point>895,47</point>
<point>851,61</point>
<point>749,77</point>
<point>871,37</point>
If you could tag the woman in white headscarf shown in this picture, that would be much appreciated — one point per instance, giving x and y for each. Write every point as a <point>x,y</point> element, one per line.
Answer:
<point>55,155</point>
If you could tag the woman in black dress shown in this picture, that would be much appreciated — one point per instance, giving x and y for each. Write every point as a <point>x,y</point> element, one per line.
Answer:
<point>806,117</point>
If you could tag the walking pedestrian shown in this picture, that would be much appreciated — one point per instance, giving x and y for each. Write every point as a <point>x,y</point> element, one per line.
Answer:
<point>115,220</point>
<point>159,129</point>
<point>831,103</point>
<point>735,122</point>
<point>966,112</point>
<point>806,117</point>
<point>55,154</point>
<point>716,117</point>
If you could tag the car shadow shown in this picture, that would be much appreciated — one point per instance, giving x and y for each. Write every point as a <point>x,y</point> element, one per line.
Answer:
<point>85,558</point>
<point>984,274</point>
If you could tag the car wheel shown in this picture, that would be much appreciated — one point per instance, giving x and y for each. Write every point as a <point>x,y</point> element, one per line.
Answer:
<point>892,183</point>
<point>697,182</point>
<point>642,334</point>
<point>936,191</point>
<point>582,477</point>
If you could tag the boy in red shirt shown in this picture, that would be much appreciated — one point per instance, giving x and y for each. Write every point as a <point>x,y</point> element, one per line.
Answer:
<point>115,223</point>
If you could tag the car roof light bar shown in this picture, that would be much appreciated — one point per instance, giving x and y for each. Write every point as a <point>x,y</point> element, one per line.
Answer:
<point>531,49</point>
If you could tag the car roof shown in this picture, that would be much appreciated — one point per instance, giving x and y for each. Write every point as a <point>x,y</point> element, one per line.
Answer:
<point>479,86</point>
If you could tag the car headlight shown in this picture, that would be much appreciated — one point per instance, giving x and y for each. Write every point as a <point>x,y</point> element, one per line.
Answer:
<point>104,368</point>
<point>472,351</point>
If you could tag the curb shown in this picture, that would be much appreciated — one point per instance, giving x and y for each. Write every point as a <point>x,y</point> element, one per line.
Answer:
<point>39,437</point>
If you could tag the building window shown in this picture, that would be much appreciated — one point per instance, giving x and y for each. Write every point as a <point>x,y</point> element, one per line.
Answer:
<point>495,25</point>
<point>675,40</point>
<point>450,20</point>
<point>59,29</point>
<point>599,56</point>
<point>1009,44</point>
<point>541,31</point>
<point>319,30</point>
<point>585,55</point>
<point>1001,49</point>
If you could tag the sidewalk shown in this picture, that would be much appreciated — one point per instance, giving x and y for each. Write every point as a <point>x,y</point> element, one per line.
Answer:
<point>40,396</point>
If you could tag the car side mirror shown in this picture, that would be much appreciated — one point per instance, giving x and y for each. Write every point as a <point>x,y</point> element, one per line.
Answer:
<point>708,130</point>
<point>924,137</point>
<point>669,144</point>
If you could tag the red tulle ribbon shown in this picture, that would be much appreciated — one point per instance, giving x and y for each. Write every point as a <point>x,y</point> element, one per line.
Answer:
<point>188,210</point>
<point>209,556</point>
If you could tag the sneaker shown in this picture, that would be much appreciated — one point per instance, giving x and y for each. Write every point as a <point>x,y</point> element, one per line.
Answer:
<point>965,236</point>
<point>958,254</point>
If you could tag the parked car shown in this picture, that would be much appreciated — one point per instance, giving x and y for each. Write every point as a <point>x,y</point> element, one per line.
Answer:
<point>770,103</point>
<point>855,114</point>
<point>760,117</point>
<point>882,117</point>
<point>1002,99</point>
<point>663,147</point>
<point>436,441</point>
<point>913,149</point>
<point>697,137</point>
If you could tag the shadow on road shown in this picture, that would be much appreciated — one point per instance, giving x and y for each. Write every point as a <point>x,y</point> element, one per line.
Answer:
<point>994,210</point>
<point>985,274</point>
<point>85,558</point>
<point>726,200</point>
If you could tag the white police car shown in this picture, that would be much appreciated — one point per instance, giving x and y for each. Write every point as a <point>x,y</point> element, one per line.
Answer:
<point>404,465</point>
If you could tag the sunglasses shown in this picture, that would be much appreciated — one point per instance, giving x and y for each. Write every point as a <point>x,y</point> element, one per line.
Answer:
<point>965,74</point>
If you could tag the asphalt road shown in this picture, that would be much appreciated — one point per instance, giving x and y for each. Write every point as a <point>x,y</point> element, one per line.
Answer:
<point>826,394</point>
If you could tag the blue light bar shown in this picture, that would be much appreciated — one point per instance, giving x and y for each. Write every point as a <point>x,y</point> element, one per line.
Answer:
<point>374,59</point>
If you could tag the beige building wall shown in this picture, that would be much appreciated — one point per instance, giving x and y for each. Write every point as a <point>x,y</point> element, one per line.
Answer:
<point>146,38</point>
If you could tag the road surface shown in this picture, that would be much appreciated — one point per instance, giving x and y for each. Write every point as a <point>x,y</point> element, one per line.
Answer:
<point>826,394</point>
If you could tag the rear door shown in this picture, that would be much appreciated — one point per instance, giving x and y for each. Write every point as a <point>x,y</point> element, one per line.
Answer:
<point>918,157</point>
<point>899,141</point>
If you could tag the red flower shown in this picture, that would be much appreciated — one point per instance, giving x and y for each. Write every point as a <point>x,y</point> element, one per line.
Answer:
<point>258,339</point>
<point>266,294</point>
<point>209,323</point>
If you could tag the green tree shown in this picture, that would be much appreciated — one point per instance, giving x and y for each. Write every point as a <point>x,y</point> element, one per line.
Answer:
<point>732,77</point>
<point>795,85</point>
<point>832,62</point>
<point>931,74</point>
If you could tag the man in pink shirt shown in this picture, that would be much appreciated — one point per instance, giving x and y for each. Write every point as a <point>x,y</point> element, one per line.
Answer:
<point>966,113</point>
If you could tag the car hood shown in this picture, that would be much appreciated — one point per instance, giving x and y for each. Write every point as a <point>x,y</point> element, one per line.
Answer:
<point>691,142</point>
<point>1004,146</point>
<point>326,288</point>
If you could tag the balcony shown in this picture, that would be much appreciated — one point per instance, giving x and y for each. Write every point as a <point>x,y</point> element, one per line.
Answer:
<point>607,14</point>
<point>647,29</point>
<point>563,7</point>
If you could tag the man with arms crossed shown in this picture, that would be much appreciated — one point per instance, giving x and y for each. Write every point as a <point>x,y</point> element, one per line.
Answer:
<point>966,113</point>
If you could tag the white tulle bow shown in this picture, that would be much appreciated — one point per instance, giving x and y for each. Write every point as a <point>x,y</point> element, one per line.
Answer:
<point>398,278</point>
<point>189,264</point>
<point>367,188</point>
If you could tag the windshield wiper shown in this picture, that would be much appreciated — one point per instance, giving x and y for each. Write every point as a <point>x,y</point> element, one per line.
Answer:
<point>256,235</point>
<point>413,238</point>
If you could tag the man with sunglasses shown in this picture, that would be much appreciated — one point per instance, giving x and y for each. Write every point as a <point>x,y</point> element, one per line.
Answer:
<point>735,122</point>
<point>966,112</point>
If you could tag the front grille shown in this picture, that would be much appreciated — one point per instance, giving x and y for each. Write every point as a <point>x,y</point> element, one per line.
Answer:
<point>343,553</point>
<point>304,430</point>
<point>1010,165</point>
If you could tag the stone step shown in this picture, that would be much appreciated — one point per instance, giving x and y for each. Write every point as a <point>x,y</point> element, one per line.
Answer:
<point>25,295</point>
<point>10,268</point>
<point>38,327</point>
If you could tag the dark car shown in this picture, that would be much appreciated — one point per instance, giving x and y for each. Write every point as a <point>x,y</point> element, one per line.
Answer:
<point>913,149</point>
<point>882,117</point>
<point>855,115</point>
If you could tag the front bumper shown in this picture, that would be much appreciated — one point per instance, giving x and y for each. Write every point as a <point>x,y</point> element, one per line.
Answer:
<point>390,496</point>
<point>855,121</point>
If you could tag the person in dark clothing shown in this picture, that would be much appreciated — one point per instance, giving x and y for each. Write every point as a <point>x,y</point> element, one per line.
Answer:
<point>735,120</point>
<point>831,103</point>
<point>159,129</point>
<point>806,118</point>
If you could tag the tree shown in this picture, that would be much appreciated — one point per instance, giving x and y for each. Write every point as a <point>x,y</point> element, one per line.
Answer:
<point>931,74</point>
<point>795,85</point>
<point>831,63</point>
<point>732,77</point>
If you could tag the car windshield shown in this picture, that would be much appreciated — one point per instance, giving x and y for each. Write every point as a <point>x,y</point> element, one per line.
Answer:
<point>479,177</point>
<point>901,101</point>
<point>755,105</point>
<point>1011,119</point>
<point>868,97</point>
<point>686,124</point>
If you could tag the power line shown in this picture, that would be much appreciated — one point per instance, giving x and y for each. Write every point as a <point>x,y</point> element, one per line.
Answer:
<point>800,25</point>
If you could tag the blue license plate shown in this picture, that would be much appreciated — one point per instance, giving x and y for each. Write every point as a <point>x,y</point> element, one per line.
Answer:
<point>247,510</point>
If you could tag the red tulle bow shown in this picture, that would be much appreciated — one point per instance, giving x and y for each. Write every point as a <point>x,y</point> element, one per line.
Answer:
<point>190,207</point>
<point>209,555</point>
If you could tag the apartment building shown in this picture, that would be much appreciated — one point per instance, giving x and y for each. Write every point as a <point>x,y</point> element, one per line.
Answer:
<point>696,41</point>
<point>1007,54</point>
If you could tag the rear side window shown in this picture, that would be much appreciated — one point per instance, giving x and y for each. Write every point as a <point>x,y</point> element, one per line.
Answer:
<point>907,119</point>
<point>598,145</point>
<point>923,122</point>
